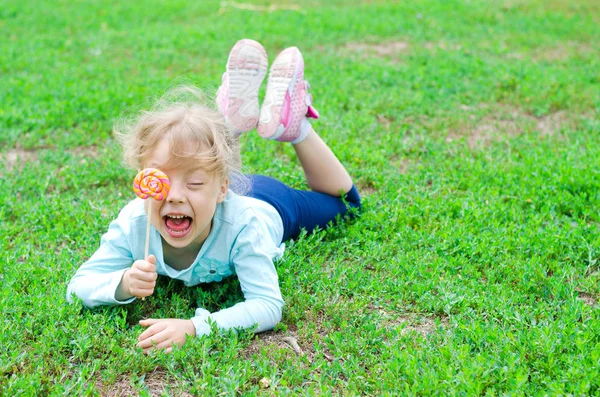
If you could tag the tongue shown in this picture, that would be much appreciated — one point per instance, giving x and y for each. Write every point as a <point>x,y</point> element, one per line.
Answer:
<point>178,224</point>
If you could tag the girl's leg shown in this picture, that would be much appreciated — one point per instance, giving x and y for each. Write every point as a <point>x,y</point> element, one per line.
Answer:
<point>333,193</point>
<point>323,171</point>
<point>283,117</point>
<point>301,209</point>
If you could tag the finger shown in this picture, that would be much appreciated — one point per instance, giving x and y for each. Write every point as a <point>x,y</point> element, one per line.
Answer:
<point>166,345</point>
<point>154,340</point>
<point>144,266</point>
<point>142,292</point>
<point>145,276</point>
<point>147,267</point>
<point>151,259</point>
<point>142,284</point>
<point>149,276</point>
<point>149,321</point>
<point>152,334</point>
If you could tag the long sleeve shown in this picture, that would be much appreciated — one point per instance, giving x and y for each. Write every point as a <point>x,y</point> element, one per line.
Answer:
<point>252,256</point>
<point>96,281</point>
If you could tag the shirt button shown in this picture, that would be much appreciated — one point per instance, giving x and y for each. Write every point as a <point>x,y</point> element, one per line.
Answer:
<point>212,271</point>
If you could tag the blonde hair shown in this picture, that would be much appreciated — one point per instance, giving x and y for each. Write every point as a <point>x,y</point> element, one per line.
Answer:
<point>195,132</point>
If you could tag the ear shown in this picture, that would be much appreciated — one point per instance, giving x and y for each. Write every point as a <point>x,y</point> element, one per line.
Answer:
<point>223,188</point>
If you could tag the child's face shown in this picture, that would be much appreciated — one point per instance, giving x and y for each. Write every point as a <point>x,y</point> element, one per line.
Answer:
<point>184,218</point>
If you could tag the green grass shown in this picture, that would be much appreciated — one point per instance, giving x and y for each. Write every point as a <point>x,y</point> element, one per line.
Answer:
<point>474,268</point>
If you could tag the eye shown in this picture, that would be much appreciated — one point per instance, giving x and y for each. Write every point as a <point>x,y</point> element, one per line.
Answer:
<point>195,184</point>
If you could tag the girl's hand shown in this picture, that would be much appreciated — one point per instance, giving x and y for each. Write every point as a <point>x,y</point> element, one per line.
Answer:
<point>140,279</point>
<point>163,333</point>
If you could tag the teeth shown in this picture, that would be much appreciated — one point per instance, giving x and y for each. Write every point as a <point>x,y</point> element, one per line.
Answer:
<point>176,216</point>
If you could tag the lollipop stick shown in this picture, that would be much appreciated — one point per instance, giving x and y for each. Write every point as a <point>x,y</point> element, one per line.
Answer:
<point>148,230</point>
<point>153,183</point>
<point>147,234</point>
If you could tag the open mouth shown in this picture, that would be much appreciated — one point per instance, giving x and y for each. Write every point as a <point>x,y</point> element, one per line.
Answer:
<point>178,225</point>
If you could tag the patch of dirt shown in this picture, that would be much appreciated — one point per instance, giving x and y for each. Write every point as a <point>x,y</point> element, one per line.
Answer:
<point>403,167</point>
<point>225,5</point>
<point>365,187</point>
<point>156,383</point>
<point>563,52</point>
<point>16,157</point>
<point>421,325</point>
<point>385,121</point>
<point>508,122</point>
<point>390,49</point>
<point>412,322</point>
<point>551,124</point>
<point>495,127</point>
<point>289,341</point>
<point>267,338</point>
<point>556,53</point>
<point>587,298</point>
<point>442,45</point>
<point>567,8</point>
<point>87,151</point>
<point>402,164</point>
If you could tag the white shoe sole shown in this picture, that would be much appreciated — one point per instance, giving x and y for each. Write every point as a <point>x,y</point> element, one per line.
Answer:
<point>247,67</point>
<point>277,86</point>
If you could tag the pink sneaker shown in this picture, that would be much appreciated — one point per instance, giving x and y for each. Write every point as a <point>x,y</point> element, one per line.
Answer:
<point>237,97</point>
<point>287,102</point>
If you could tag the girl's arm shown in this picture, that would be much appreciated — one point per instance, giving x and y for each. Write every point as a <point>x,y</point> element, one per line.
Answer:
<point>97,280</point>
<point>252,256</point>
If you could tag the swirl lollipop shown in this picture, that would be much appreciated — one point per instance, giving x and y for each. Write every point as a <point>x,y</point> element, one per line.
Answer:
<point>151,183</point>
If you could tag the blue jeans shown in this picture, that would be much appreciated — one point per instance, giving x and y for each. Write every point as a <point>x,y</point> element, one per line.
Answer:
<point>301,209</point>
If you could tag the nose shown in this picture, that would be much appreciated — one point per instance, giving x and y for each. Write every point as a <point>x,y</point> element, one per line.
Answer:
<point>176,195</point>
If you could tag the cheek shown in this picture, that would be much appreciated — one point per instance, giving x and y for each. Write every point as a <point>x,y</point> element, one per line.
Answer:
<point>153,207</point>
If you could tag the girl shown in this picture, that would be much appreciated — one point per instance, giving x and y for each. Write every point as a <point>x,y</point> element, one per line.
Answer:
<point>203,231</point>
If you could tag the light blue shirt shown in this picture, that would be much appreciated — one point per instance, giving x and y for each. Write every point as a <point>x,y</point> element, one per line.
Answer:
<point>245,239</point>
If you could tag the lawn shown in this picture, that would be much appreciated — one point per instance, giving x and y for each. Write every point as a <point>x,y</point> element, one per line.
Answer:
<point>472,131</point>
